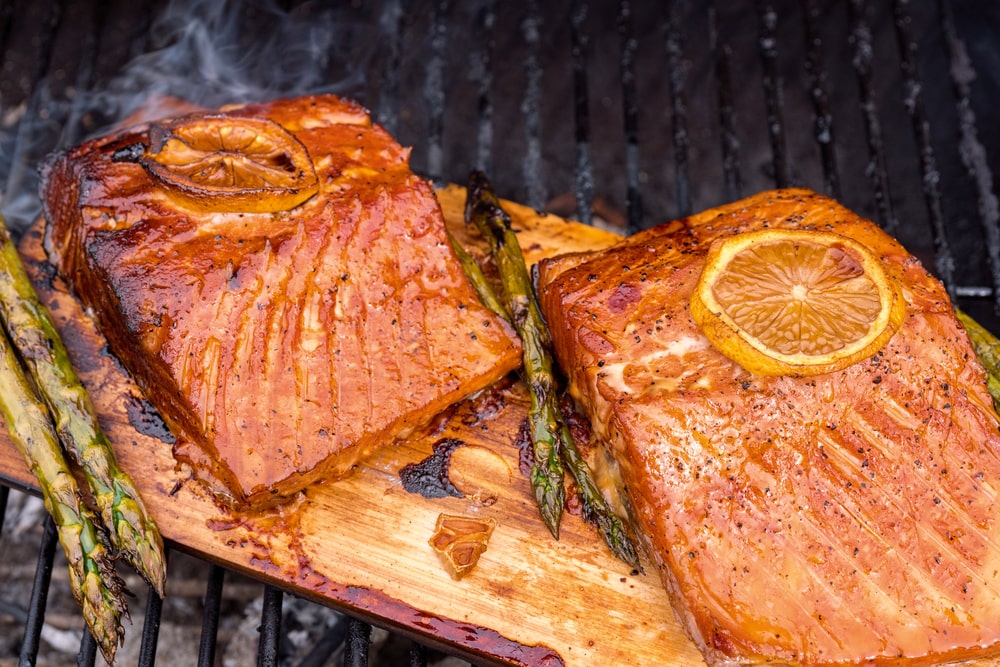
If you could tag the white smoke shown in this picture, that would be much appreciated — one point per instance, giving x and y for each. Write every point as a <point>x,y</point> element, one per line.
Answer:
<point>204,52</point>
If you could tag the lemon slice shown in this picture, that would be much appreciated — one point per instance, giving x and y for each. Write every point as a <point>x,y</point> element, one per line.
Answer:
<point>230,164</point>
<point>795,302</point>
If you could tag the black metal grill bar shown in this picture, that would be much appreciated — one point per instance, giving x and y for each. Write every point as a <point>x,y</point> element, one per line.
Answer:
<point>944,262</point>
<point>722,55</point>
<point>583,168</point>
<point>630,106</point>
<point>531,31</point>
<point>87,656</point>
<point>434,93</point>
<point>4,497</point>
<point>773,95</point>
<point>270,627</point>
<point>359,636</point>
<point>482,72</point>
<point>210,617</point>
<point>971,150</point>
<point>675,71</point>
<point>39,595</point>
<point>390,35</point>
<point>878,172</point>
<point>819,94</point>
<point>418,656</point>
<point>151,628</point>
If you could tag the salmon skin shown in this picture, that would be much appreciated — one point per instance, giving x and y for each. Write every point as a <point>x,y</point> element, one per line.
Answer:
<point>280,348</point>
<point>846,518</point>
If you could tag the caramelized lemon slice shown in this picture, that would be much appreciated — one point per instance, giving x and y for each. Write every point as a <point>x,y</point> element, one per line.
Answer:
<point>230,164</point>
<point>795,302</point>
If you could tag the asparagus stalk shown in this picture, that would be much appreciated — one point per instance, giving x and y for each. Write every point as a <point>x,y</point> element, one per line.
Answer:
<point>987,348</point>
<point>480,284</point>
<point>93,579</point>
<point>546,476</point>
<point>132,532</point>
<point>553,442</point>
<point>594,506</point>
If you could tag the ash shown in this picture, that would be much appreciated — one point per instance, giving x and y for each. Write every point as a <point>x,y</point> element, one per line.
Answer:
<point>311,635</point>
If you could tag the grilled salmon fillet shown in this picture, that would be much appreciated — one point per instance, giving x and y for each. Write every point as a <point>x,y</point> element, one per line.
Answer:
<point>845,518</point>
<point>284,347</point>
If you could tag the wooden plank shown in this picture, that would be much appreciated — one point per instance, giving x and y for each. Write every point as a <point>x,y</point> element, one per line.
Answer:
<point>361,544</point>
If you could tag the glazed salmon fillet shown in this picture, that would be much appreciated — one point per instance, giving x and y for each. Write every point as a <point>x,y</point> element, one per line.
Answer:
<point>284,347</point>
<point>846,518</point>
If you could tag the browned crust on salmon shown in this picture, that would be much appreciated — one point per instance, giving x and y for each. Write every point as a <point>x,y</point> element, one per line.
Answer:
<point>280,348</point>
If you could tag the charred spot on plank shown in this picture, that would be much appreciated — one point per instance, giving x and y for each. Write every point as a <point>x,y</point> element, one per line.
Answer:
<point>429,477</point>
<point>145,419</point>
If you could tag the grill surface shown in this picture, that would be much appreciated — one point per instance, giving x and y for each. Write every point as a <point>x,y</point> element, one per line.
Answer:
<point>626,113</point>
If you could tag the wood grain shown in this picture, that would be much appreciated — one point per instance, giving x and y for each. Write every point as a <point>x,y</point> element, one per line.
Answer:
<point>361,544</point>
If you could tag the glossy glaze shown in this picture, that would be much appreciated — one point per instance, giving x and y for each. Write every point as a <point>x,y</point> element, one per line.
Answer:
<point>281,348</point>
<point>851,517</point>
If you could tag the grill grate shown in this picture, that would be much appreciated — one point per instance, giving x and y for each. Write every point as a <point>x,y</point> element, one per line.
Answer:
<point>39,594</point>
<point>627,113</point>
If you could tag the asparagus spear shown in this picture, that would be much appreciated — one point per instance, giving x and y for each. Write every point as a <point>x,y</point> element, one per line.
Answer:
<point>480,284</point>
<point>595,507</point>
<point>93,579</point>
<point>546,476</point>
<point>987,348</point>
<point>551,437</point>
<point>31,330</point>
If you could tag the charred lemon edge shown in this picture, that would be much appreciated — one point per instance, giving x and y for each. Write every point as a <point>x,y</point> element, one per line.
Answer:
<point>735,343</point>
<point>229,199</point>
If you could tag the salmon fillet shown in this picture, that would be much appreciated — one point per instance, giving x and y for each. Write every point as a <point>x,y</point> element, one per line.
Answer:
<point>280,348</point>
<point>846,518</point>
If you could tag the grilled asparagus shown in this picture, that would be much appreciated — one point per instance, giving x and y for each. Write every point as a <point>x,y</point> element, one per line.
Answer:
<point>32,332</point>
<point>483,210</point>
<point>553,443</point>
<point>93,579</point>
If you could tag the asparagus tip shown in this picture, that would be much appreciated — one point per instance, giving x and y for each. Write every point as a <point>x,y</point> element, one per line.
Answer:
<point>619,541</point>
<point>103,609</point>
<point>550,495</point>
<point>146,557</point>
<point>95,584</point>
<point>133,533</point>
